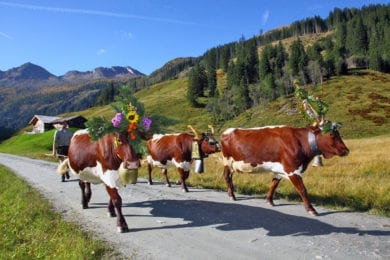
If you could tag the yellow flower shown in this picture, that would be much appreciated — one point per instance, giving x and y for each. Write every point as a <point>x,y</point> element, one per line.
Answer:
<point>132,116</point>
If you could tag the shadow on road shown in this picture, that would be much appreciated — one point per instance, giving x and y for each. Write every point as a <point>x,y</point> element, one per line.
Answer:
<point>229,216</point>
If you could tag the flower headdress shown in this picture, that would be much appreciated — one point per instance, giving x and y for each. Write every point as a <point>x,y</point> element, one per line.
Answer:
<point>129,120</point>
<point>329,126</point>
<point>313,108</point>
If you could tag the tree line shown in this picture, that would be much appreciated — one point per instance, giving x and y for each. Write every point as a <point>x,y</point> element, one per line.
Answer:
<point>258,70</point>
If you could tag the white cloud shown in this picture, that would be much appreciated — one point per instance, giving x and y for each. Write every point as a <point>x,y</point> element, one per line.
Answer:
<point>264,17</point>
<point>2,34</point>
<point>94,12</point>
<point>101,52</point>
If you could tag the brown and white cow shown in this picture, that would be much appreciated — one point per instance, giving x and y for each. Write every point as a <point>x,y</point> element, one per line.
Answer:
<point>175,150</point>
<point>100,162</point>
<point>284,150</point>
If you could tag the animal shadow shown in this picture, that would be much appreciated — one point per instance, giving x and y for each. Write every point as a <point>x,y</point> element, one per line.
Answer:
<point>231,216</point>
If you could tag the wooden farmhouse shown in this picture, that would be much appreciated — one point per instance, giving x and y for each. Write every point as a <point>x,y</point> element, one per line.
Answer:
<point>43,123</point>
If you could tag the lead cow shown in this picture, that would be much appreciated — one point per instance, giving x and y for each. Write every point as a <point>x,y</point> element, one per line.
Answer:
<point>284,150</point>
<point>175,150</point>
<point>100,162</point>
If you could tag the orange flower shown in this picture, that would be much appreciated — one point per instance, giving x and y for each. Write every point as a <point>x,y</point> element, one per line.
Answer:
<point>132,136</point>
<point>131,127</point>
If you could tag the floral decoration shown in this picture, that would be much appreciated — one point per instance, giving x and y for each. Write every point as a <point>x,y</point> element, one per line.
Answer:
<point>116,120</point>
<point>126,120</point>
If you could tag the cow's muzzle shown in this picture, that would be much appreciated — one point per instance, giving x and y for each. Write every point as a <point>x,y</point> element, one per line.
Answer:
<point>345,152</point>
<point>132,165</point>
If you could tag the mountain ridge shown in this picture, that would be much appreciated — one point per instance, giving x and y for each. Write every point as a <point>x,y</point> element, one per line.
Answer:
<point>35,76</point>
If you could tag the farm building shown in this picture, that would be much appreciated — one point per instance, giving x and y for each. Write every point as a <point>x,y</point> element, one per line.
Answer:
<point>43,123</point>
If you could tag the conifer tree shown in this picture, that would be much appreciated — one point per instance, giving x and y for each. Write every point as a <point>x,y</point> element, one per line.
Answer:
<point>297,58</point>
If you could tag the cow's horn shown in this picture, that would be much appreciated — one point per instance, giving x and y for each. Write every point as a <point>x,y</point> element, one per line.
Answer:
<point>193,130</point>
<point>212,129</point>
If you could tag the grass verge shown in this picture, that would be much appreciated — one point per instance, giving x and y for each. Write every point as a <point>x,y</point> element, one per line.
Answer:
<point>31,230</point>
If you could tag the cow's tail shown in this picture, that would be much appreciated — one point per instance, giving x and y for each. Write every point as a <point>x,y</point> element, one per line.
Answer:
<point>63,167</point>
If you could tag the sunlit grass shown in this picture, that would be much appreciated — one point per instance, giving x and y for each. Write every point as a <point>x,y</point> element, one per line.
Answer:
<point>358,182</point>
<point>30,229</point>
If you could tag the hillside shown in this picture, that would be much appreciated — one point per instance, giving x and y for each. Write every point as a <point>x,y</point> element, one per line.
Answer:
<point>246,73</point>
<point>360,101</point>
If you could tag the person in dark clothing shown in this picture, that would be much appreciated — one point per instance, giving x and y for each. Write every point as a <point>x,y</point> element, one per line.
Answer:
<point>61,142</point>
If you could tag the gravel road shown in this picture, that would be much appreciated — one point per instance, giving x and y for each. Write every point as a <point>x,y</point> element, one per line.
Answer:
<point>166,223</point>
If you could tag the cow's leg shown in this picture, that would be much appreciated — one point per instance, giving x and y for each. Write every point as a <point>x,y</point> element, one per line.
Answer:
<point>150,168</point>
<point>86,193</point>
<point>300,187</point>
<point>270,195</point>
<point>111,209</point>
<point>228,174</point>
<point>116,201</point>
<point>165,172</point>
<point>182,179</point>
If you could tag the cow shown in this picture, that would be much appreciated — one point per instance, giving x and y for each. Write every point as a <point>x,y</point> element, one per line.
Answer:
<point>175,150</point>
<point>285,151</point>
<point>98,162</point>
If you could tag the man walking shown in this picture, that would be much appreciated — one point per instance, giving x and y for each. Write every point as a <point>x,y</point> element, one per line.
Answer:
<point>61,142</point>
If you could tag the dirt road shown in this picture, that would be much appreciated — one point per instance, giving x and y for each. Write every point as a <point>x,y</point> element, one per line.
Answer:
<point>166,223</point>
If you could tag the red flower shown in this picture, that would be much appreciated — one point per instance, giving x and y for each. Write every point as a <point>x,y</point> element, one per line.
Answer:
<point>132,136</point>
<point>131,127</point>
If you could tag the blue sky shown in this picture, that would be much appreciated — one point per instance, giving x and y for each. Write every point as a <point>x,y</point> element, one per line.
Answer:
<point>64,35</point>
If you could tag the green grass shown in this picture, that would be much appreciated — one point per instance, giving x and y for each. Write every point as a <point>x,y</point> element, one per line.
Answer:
<point>31,230</point>
<point>359,182</point>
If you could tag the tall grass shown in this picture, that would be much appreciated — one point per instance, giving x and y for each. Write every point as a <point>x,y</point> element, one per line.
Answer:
<point>358,182</point>
<point>31,230</point>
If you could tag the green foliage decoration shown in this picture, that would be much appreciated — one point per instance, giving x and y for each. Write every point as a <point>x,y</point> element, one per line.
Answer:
<point>315,108</point>
<point>329,126</point>
<point>128,120</point>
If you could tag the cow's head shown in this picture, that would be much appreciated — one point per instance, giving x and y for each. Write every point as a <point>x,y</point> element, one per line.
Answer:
<point>329,142</point>
<point>124,152</point>
<point>207,142</point>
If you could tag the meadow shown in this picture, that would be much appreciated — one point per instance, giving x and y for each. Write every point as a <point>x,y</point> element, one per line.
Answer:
<point>359,182</point>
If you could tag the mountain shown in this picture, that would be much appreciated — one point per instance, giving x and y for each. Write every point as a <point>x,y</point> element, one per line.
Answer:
<point>27,74</point>
<point>33,76</point>
<point>27,71</point>
<point>30,89</point>
<point>101,73</point>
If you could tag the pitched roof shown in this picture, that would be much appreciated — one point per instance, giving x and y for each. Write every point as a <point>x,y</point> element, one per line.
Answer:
<point>44,119</point>
<point>62,119</point>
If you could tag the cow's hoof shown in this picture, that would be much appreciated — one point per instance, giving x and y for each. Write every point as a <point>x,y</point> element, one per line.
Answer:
<point>122,229</point>
<point>232,198</point>
<point>184,190</point>
<point>150,183</point>
<point>168,185</point>
<point>84,206</point>
<point>313,213</point>
<point>270,202</point>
